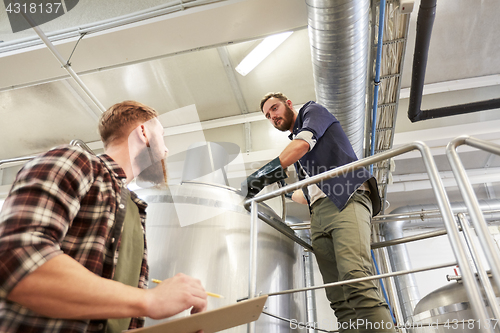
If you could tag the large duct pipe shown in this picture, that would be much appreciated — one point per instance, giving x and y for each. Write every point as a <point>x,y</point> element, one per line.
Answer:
<point>338,34</point>
<point>406,285</point>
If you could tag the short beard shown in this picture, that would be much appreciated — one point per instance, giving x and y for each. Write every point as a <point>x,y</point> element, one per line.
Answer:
<point>287,120</point>
<point>154,175</point>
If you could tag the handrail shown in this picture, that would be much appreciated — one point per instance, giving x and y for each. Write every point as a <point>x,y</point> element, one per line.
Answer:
<point>470,282</point>
<point>75,142</point>
<point>366,278</point>
<point>81,144</point>
<point>17,159</point>
<point>491,252</point>
<point>481,271</point>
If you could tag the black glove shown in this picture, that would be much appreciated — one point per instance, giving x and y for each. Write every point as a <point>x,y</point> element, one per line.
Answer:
<point>268,174</point>
<point>289,194</point>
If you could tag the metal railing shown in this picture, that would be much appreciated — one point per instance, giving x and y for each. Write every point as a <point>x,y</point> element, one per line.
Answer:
<point>487,243</point>
<point>469,281</point>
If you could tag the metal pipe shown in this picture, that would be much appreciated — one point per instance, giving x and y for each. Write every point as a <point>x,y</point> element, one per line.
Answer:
<point>425,21</point>
<point>391,288</point>
<point>428,217</point>
<point>470,199</point>
<point>252,271</point>
<point>366,278</point>
<point>67,67</point>
<point>409,239</point>
<point>80,143</point>
<point>115,22</point>
<point>399,258</point>
<point>417,145</point>
<point>412,216</point>
<point>310,295</point>
<point>252,280</point>
<point>470,284</point>
<point>377,75</point>
<point>338,34</point>
<point>481,271</point>
<point>16,160</point>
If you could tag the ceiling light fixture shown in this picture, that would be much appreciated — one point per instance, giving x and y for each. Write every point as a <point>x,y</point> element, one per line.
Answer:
<point>268,45</point>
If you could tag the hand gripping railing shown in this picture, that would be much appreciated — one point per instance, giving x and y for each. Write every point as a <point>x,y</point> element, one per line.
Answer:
<point>491,251</point>
<point>469,281</point>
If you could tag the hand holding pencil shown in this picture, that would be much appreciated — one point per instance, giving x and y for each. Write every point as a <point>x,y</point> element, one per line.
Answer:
<point>175,295</point>
<point>208,293</point>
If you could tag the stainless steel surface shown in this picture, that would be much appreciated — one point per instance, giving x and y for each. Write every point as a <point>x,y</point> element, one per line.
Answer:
<point>81,144</point>
<point>16,160</point>
<point>481,271</point>
<point>270,217</point>
<point>216,249</point>
<point>449,304</point>
<point>413,238</point>
<point>338,34</point>
<point>428,215</point>
<point>470,283</point>
<point>254,234</point>
<point>310,296</point>
<point>413,216</point>
<point>491,251</point>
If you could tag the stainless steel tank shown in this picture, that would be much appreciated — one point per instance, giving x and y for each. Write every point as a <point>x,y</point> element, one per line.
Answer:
<point>202,230</point>
<point>447,309</point>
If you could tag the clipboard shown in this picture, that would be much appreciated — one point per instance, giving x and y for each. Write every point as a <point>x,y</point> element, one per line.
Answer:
<point>211,321</point>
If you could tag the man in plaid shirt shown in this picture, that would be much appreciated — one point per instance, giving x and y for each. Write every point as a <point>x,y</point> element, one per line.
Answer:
<point>64,225</point>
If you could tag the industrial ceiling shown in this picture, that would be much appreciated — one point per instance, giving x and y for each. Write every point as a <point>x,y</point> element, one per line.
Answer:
<point>182,64</point>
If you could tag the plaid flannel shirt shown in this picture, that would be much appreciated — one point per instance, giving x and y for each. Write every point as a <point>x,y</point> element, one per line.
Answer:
<point>64,201</point>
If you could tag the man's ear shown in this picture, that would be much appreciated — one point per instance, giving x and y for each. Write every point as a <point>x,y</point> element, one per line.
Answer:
<point>141,133</point>
<point>289,103</point>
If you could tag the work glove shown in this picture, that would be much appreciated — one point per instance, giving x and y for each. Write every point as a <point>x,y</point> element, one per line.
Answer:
<point>268,174</point>
<point>289,194</point>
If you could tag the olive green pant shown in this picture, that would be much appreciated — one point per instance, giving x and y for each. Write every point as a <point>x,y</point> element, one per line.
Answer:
<point>341,243</point>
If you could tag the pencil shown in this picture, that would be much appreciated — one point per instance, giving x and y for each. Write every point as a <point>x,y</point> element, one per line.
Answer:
<point>208,293</point>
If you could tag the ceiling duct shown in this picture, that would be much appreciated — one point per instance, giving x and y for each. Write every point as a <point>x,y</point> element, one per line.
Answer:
<point>338,34</point>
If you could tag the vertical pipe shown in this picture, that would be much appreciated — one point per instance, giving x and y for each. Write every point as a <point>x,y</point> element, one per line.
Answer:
<point>382,286</point>
<point>380,40</point>
<point>468,279</point>
<point>481,271</point>
<point>252,271</point>
<point>310,294</point>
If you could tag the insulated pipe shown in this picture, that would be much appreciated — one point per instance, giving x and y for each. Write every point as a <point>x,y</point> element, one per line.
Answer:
<point>377,76</point>
<point>425,21</point>
<point>338,34</point>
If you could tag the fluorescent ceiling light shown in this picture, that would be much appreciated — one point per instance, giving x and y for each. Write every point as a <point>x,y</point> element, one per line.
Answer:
<point>268,45</point>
